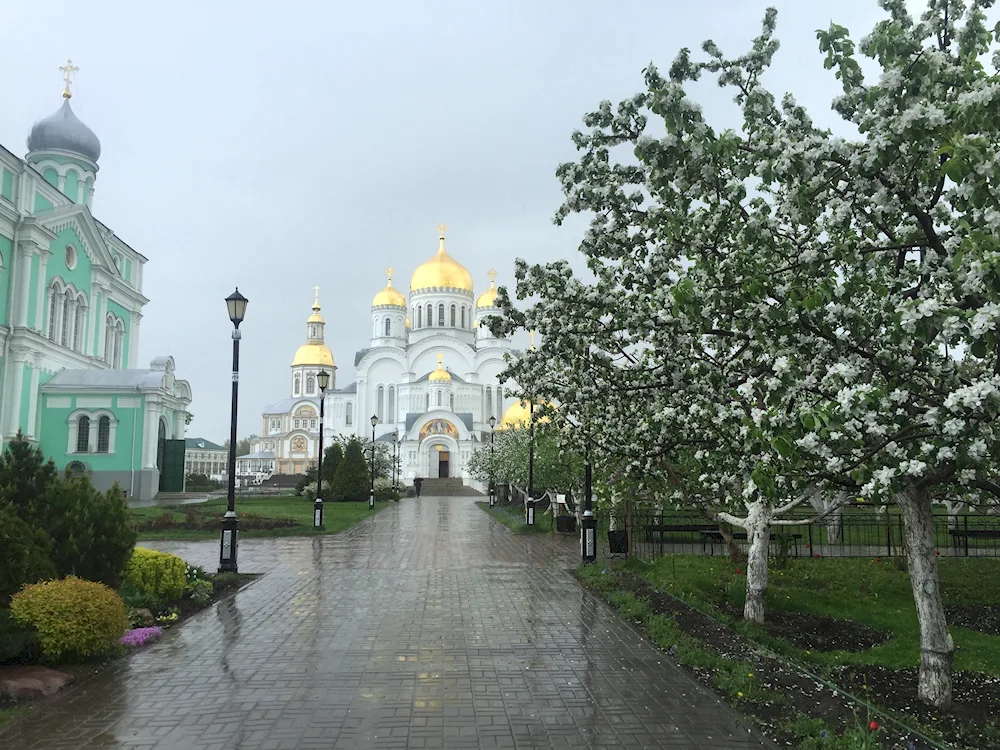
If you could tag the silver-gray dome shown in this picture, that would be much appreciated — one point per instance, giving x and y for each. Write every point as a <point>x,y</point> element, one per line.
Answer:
<point>63,130</point>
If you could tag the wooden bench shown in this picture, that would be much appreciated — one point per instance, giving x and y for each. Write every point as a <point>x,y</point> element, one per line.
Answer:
<point>663,529</point>
<point>711,535</point>
<point>966,534</point>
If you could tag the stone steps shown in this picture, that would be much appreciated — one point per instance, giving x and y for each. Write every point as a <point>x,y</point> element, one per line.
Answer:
<point>450,487</point>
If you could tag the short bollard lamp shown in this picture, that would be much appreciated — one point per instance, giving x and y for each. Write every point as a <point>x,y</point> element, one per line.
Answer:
<point>588,525</point>
<point>236,304</point>
<point>371,494</point>
<point>323,379</point>
<point>529,512</point>
<point>493,479</point>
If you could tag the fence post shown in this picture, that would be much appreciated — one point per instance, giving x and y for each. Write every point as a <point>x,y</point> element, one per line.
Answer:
<point>888,533</point>
<point>810,528</point>
<point>965,525</point>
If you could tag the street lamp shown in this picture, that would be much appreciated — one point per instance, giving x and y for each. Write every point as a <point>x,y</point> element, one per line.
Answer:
<point>395,439</point>
<point>529,506</point>
<point>493,480</point>
<point>323,378</point>
<point>236,304</point>
<point>588,525</point>
<point>371,494</point>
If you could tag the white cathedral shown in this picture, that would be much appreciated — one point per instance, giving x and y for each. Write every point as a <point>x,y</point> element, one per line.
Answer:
<point>429,377</point>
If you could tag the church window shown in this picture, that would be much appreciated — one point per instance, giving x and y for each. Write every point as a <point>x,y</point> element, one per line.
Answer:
<point>380,402</point>
<point>452,404</point>
<point>391,410</point>
<point>296,384</point>
<point>428,402</point>
<point>349,414</point>
<point>119,341</point>
<point>312,424</point>
<point>388,327</point>
<point>440,315</point>
<point>103,434</point>
<point>463,316</point>
<point>83,434</point>
<point>81,320</point>
<point>310,384</point>
<point>297,423</point>
<point>53,311</point>
<point>420,317</point>
<point>452,316</point>
<point>66,319</point>
<point>489,402</point>
<point>439,398</point>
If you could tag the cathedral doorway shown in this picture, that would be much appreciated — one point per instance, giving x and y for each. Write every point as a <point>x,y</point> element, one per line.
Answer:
<point>443,464</point>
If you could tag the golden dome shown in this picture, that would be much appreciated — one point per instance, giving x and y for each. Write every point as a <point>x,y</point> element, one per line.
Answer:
<point>314,354</point>
<point>440,375</point>
<point>390,295</point>
<point>489,297</point>
<point>441,271</point>
<point>315,317</point>
<point>518,415</point>
<point>407,323</point>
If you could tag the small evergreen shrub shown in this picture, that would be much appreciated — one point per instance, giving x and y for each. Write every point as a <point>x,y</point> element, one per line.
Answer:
<point>351,480</point>
<point>71,616</point>
<point>200,591</point>
<point>157,573</point>
<point>26,554</point>
<point>17,642</point>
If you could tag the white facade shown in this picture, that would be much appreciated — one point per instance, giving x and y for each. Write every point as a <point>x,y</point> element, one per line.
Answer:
<point>430,375</point>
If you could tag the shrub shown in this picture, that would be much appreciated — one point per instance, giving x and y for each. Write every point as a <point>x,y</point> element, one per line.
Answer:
<point>200,592</point>
<point>71,616</point>
<point>351,481</point>
<point>27,554</point>
<point>16,641</point>
<point>158,573</point>
<point>136,598</point>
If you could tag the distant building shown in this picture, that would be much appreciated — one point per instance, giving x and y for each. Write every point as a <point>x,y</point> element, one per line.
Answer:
<point>205,457</point>
<point>254,468</point>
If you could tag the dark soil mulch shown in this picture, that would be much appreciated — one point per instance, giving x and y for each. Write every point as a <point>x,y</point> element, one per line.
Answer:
<point>982,617</point>
<point>799,692</point>
<point>822,633</point>
<point>971,722</point>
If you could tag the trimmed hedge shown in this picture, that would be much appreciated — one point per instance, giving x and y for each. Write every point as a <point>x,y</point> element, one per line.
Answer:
<point>72,617</point>
<point>158,573</point>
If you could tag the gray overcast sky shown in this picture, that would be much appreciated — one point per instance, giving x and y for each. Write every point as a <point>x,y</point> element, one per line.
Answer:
<point>277,146</point>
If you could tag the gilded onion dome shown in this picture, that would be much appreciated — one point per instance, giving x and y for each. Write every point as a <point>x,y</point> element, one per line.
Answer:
<point>440,375</point>
<point>441,271</point>
<point>314,352</point>
<point>489,297</point>
<point>518,415</point>
<point>390,295</point>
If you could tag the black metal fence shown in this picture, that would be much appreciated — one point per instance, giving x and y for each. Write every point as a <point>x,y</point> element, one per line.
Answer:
<point>852,533</point>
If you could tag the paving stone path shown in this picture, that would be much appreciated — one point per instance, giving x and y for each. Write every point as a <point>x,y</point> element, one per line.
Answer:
<point>429,625</point>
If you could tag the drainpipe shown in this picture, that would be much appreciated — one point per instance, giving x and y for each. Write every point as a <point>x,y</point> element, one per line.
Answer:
<point>10,291</point>
<point>135,421</point>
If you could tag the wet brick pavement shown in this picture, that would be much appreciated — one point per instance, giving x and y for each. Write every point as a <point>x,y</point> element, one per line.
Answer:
<point>429,625</point>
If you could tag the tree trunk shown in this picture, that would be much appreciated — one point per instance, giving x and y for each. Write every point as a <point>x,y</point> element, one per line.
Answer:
<point>833,526</point>
<point>758,525</point>
<point>936,646</point>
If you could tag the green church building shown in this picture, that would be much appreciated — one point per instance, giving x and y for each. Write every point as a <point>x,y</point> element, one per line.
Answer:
<point>70,310</point>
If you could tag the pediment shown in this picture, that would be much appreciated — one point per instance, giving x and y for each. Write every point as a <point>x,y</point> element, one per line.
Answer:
<point>93,237</point>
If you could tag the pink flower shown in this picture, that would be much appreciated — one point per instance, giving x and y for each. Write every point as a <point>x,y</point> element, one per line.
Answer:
<point>140,636</point>
<point>873,726</point>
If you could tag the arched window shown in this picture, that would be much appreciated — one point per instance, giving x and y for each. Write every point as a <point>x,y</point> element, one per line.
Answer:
<point>452,316</point>
<point>441,315</point>
<point>430,315</point>
<point>489,402</point>
<point>428,408</point>
<point>463,316</point>
<point>439,398</point>
<point>103,434</point>
<point>54,298</point>
<point>380,403</point>
<point>349,413</point>
<point>81,321</point>
<point>83,434</point>
<point>66,318</point>
<point>452,404</point>
<point>296,385</point>
<point>310,385</point>
<point>119,342</point>
<point>390,412</point>
<point>388,327</point>
<point>420,317</point>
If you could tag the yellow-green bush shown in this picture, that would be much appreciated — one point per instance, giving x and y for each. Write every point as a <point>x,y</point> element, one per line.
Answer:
<point>72,617</point>
<point>157,573</point>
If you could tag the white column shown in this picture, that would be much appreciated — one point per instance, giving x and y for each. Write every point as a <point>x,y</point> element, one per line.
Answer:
<point>43,262</point>
<point>30,429</point>
<point>15,377</point>
<point>133,341</point>
<point>24,287</point>
<point>150,436</point>
<point>61,183</point>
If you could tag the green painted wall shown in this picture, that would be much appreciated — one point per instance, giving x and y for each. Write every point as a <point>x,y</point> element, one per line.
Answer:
<point>22,420</point>
<point>121,312</point>
<point>6,256</point>
<point>33,290</point>
<point>51,176</point>
<point>72,190</point>
<point>42,203</point>
<point>126,452</point>
<point>63,160</point>
<point>80,277</point>
<point>7,184</point>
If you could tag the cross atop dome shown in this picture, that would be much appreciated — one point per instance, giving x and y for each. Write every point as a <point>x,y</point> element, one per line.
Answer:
<point>389,273</point>
<point>442,230</point>
<point>68,70</point>
<point>492,274</point>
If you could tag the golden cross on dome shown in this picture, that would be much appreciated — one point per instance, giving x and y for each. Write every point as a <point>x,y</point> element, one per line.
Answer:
<point>492,274</point>
<point>316,289</point>
<point>440,359</point>
<point>68,70</point>
<point>532,335</point>
<point>390,272</point>
<point>442,228</point>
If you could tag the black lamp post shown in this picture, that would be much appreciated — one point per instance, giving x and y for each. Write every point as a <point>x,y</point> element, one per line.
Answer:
<point>236,303</point>
<point>395,438</point>
<point>493,478</point>
<point>371,494</point>
<point>588,525</point>
<point>323,378</point>
<point>529,506</point>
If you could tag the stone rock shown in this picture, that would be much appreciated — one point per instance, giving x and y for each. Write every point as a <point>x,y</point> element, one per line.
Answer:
<point>147,617</point>
<point>31,681</point>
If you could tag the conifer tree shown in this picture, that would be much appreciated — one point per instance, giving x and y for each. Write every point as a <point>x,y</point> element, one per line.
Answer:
<point>351,482</point>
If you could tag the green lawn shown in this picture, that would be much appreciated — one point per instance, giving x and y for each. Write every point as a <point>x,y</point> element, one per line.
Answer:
<point>873,593</point>
<point>287,515</point>
<point>512,516</point>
